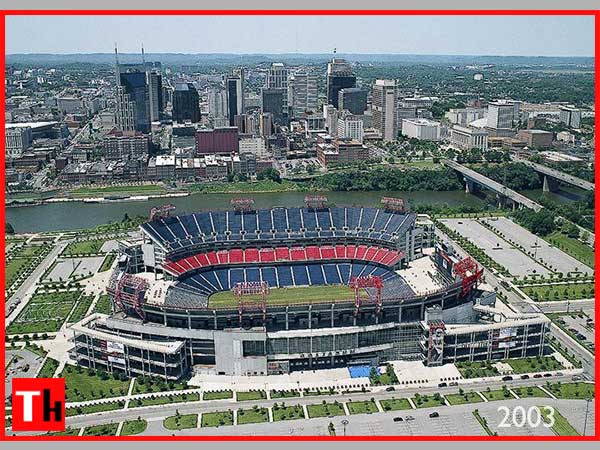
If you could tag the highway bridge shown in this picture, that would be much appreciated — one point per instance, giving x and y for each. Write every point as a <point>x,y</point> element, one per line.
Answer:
<point>505,196</point>
<point>553,176</point>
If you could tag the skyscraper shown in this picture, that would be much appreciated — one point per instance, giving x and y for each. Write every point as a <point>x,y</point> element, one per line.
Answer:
<point>156,94</point>
<point>353,100</point>
<point>339,76</point>
<point>186,103</point>
<point>235,87</point>
<point>217,103</point>
<point>272,102</point>
<point>384,109</point>
<point>133,97</point>
<point>277,78</point>
<point>302,93</point>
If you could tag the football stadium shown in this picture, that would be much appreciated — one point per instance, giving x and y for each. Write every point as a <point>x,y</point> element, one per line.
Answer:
<point>251,291</point>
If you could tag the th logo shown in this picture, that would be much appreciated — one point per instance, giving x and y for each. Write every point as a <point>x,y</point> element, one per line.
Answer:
<point>38,404</point>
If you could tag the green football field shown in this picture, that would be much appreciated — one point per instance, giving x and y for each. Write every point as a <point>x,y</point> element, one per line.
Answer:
<point>287,296</point>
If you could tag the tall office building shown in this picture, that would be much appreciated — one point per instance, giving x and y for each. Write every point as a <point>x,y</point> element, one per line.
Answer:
<point>339,76</point>
<point>272,102</point>
<point>501,115</point>
<point>235,88</point>
<point>570,116</point>
<point>350,126</point>
<point>384,109</point>
<point>156,95</point>
<point>353,100</point>
<point>277,77</point>
<point>133,97</point>
<point>217,103</point>
<point>186,103</point>
<point>302,93</point>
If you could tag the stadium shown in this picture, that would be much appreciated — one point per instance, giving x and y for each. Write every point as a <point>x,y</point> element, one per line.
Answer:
<point>269,291</point>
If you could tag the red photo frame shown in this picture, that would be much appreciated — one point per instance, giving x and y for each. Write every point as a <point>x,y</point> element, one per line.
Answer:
<point>387,12</point>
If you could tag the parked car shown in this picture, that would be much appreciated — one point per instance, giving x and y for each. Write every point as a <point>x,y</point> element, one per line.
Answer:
<point>410,418</point>
<point>398,419</point>
<point>537,375</point>
<point>454,383</point>
<point>434,414</point>
<point>547,375</point>
<point>390,388</point>
<point>525,377</point>
<point>507,378</point>
<point>442,384</point>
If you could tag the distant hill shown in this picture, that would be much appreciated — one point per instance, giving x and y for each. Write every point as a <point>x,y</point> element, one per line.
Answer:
<point>228,58</point>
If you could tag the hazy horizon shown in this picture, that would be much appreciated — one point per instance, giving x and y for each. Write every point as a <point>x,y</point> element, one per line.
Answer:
<point>530,36</point>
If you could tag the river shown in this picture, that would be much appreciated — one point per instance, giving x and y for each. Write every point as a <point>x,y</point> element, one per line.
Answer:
<point>78,215</point>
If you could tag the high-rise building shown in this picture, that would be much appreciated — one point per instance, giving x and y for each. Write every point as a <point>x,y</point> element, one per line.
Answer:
<point>384,109</point>
<point>235,88</point>
<point>339,76</point>
<point>277,78</point>
<point>353,100</point>
<point>156,95</point>
<point>350,126</point>
<point>133,112</point>
<point>570,116</point>
<point>272,101</point>
<point>186,103</point>
<point>217,103</point>
<point>302,93</point>
<point>501,115</point>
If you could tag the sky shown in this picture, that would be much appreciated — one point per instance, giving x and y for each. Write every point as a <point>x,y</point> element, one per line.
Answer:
<point>441,35</point>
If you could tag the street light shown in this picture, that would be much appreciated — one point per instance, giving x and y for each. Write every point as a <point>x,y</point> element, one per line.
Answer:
<point>587,407</point>
<point>345,422</point>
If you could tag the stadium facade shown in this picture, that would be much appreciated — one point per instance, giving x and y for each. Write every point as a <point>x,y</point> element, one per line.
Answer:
<point>216,290</point>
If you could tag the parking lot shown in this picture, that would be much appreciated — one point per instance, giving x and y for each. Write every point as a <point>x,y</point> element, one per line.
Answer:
<point>21,363</point>
<point>544,252</point>
<point>504,253</point>
<point>74,267</point>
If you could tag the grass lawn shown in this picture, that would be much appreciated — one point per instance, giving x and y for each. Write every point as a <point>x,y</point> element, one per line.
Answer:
<point>286,296</point>
<point>285,394</point>
<point>362,407</point>
<point>250,395</point>
<point>68,432</point>
<point>428,401</point>
<point>166,399</point>
<point>288,413</point>
<point>81,309</point>
<point>571,390</point>
<point>217,395</point>
<point>254,415</point>
<point>103,305</point>
<point>561,426</point>
<point>108,190</point>
<point>48,368</point>
<point>395,404</point>
<point>108,261</point>
<point>91,247</point>
<point>30,250</point>
<point>326,410</point>
<point>529,391</point>
<point>245,187</point>
<point>483,422</point>
<point>146,385</point>
<point>85,386</point>
<point>497,394</point>
<point>476,369</point>
<point>181,422</point>
<point>14,268</point>
<point>560,291</point>
<point>108,429</point>
<point>573,247</point>
<point>534,364</point>
<point>44,313</point>
<point>132,427</point>
<point>467,397</point>
<point>217,419</point>
<point>99,407</point>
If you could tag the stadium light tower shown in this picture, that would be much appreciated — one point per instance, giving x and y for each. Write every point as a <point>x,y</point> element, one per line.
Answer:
<point>315,201</point>
<point>242,204</point>
<point>244,291</point>
<point>372,285</point>
<point>159,212</point>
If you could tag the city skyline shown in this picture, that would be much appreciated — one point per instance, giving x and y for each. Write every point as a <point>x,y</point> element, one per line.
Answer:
<point>402,35</point>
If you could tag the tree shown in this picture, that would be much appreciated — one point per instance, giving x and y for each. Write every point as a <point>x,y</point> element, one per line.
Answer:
<point>269,174</point>
<point>9,228</point>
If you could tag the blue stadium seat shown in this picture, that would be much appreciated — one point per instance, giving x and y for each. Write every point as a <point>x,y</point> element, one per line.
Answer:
<point>218,218</point>
<point>300,275</point>
<point>284,274</point>
<point>339,218</point>
<point>294,219</point>
<point>264,220</point>
<point>310,220</point>
<point>252,274</point>
<point>249,222</point>
<point>331,274</point>
<point>324,219</point>
<point>316,274</point>
<point>268,275</point>
<point>234,221</point>
<point>279,219</point>
<point>353,215</point>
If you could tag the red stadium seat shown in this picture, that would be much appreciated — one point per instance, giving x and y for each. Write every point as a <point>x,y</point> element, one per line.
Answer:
<point>202,259</point>
<point>380,254</point>
<point>212,258</point>
<point>328,253</point>
<point>340,251</point>
<point>370,253</point>
<point>282,254</point>
<point>298,254</point>
<point>223,256</point>
<point>251,255</point>
<point>236,256</point>
<point>267,255</point>
<point>360,252</point>
<point>351,251</point>
<point>312,253</point>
